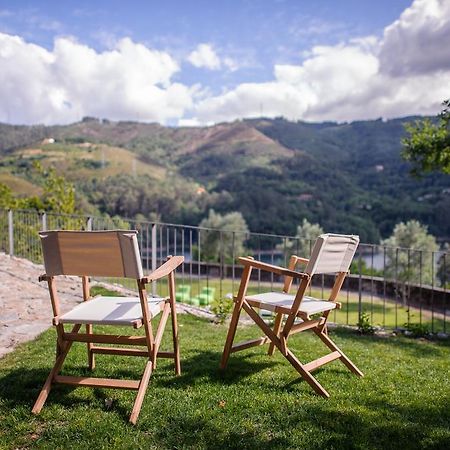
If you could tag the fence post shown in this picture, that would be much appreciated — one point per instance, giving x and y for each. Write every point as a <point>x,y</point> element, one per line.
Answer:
<point>44,221</point>
<point>11,232</point>
<point>89,224</point>
<point>360,311</point>
<point>154,255</point>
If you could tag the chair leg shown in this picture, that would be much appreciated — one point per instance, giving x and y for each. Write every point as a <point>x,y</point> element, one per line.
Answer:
<point>176,342</point>
<point>159,333</point>
<point>61,352</point>
<point>141,393</point>
<point>276,330</point>
<point>230,336</point>
<point>90,346</point>
<point>298,366</point>
<point>332,346</point>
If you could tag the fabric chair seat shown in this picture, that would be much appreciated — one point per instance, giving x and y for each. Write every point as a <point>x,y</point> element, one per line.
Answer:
<point>112,311</point>
<point>274,301</point>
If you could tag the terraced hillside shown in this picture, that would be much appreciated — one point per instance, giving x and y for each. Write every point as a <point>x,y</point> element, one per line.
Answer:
<point>348,177</point>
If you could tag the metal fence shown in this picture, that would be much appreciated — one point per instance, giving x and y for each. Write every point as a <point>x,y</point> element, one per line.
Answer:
<point>387,287</point>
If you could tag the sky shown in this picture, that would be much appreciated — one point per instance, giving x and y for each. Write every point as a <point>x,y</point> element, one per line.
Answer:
<point>197,62</point>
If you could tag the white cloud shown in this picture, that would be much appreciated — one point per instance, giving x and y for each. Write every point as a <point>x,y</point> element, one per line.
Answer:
<point>204,56</point>
<point>73,80</point>
<point>406,72</point>
<point>419,41</point>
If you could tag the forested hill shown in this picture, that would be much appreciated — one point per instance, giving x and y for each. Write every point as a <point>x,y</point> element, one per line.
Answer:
<point>347,177</point>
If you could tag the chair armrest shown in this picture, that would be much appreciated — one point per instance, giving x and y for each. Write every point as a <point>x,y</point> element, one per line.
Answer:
<point>169,266</point>
<point>301,260</point>
<point>271,268</point>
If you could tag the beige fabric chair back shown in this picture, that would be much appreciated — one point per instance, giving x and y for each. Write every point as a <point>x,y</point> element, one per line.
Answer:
<point>93,253</point>
<point>332,253</point>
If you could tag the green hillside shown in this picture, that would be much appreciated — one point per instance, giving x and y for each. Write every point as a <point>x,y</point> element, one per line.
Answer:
<point>348,177</point>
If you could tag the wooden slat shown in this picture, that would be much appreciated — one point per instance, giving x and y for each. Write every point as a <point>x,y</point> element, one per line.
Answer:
<point>166,355</point>
<point>297,328</point>
<point>129,352</point>
<point>285,352</point>
<point>141,393</point>
<point>113,383</point>
<point>239,301</point>
<point>313,365</point>
<point>345,359</point>
<point>288,280</point>
<point>120,351</point>
<point>271,268</point>
<point>105,339</point>
<point>337,285</point>
<point>250,343</point>
<point>163,270</point>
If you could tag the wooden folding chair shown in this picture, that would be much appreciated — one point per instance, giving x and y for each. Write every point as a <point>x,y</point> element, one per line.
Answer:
<point>107,254</point>
<point>332,253</point>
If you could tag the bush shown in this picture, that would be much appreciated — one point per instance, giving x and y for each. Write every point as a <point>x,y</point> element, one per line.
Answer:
<point>416,329</point>
<point>222,308</point>
<point>364,325</point>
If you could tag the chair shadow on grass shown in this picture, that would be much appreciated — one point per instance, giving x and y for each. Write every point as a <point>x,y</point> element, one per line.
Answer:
<point>205,365</point>
<point>22,387</point>
<point>201,433</point>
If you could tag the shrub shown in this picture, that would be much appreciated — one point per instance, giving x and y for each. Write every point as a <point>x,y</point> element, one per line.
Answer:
<point>364,325</point>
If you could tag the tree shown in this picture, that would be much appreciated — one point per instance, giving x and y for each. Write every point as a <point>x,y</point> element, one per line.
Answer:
<point>58,195</point>
<point>306,235</point>
<point>428,145</point>
<point>410,253</point>
<point>226,236</point>
<point>7,199</point>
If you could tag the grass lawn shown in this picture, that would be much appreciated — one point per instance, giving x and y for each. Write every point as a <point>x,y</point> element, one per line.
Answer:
<point>258,403</point>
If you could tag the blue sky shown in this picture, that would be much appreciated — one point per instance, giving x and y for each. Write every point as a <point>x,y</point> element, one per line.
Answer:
<point>201,62</point>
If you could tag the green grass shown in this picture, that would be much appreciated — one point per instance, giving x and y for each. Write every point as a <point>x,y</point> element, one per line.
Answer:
<point>259,402</point>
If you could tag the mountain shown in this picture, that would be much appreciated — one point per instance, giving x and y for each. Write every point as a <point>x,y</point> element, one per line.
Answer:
<point>348,177</point>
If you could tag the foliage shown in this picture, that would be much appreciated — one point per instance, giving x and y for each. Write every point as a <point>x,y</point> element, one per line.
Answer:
<point>428,145</point>
<point>409,253</point>
<point>7,199</point>
<point>221,308</point>
<point>171,200</point>
<point>58,195</point>
<point>226,236</point>
<point>348,177</point>
<point>306,235</point>
<point>417,329</point>
<point>364,324</point>
<point>360,266</point>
